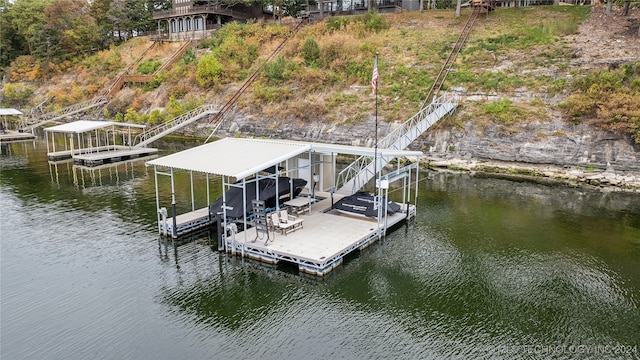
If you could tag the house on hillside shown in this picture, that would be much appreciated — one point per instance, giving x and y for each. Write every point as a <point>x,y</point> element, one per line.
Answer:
<point>197,19</point>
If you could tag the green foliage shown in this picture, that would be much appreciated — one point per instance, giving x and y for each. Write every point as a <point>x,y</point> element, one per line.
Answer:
<point>375,22</point>
<point>174,108</point>
<point>17,94</point>
<point>503,111</point>
<point>131,116</point>
<point>272,94</point>
<point>277,70</point>
<point>359,72</point>
<point>189,57</point>
<point>148,66</point>
<point>209,71</point>
<point>609,99</point>
<point>337,23</point>
<point>156,82</point>
<point>156,117</point>
<point>311,51</point>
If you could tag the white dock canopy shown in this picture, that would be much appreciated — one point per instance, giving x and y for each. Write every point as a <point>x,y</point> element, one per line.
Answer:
<point>239,158</point>
<point>81,126</point>
<point>86,136</point>
<point>240,161</point>
<point>10,112</point>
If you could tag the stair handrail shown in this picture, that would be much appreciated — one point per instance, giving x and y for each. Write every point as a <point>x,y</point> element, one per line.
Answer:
<point>144,136</point>
<point>390,141</point>
<point>71,109</point>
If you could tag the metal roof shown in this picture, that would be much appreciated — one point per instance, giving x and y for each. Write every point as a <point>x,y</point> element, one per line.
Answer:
<point>240,158</point>
<point>9,111</point>
<point>81,126</point>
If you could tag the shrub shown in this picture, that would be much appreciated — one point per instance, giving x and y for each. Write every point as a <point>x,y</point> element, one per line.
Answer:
<point>311,51</point>
<point>209,71</point>
<point>148,67</point>
<point>17,94</point>
<point>503,111</point>
<point>276,71</point>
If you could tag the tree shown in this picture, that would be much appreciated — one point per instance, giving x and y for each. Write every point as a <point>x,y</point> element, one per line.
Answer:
<point>71,29</point>
<point>100,12</point>
<point>10,40</point>
<point>27,19</point>
<point>458,6</point>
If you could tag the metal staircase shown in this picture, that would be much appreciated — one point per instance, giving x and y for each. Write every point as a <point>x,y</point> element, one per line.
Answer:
<point>362,170</point>
<point>176,123</point>
<point>64,112</point>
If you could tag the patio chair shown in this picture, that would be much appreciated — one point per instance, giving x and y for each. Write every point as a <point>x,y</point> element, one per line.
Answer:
<point>288,223</point>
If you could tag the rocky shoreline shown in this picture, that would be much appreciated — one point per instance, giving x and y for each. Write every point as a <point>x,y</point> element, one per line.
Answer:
<point>575,176</point>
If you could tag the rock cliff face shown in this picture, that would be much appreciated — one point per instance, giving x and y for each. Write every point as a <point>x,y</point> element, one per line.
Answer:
<point>554,143</point>
<point>554,149</point>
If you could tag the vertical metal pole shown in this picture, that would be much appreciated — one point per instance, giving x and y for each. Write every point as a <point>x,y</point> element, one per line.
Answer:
<point>224,216</point>
<point>174,231</point>
<point>208,192</point>
<point>417,179</point>
<point>193,203</point>
<point>155,175</point>
<point>244,209</point>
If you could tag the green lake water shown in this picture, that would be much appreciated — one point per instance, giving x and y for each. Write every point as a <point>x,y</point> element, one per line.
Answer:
<point>490,269</point>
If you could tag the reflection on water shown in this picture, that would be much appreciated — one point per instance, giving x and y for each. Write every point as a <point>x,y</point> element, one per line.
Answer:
<point>489,269</point>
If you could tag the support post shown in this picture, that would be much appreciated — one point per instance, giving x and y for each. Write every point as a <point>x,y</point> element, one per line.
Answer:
<point>174,231</point>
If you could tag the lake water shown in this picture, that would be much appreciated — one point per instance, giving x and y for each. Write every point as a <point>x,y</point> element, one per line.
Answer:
<point>489,269</point>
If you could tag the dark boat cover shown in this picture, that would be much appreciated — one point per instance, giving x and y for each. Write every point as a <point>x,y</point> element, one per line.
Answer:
<point>267,193</point>
<point>361,203</point>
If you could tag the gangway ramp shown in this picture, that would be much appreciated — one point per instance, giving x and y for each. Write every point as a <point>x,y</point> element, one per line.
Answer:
<point>64,112</point>
<point>181,121</point>
<point>363,169</point>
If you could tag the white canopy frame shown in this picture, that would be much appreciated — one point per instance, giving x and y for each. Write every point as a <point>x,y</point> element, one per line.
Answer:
<point>91,133</point>
<point>241,165</point>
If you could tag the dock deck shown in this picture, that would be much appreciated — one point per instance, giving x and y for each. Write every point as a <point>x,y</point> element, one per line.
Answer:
<point>101,155</point>
<point>10,136</point>
<point>326,237</point>
<point>118,153</point>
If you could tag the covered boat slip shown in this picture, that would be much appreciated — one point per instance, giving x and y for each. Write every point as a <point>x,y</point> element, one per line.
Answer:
<point>324,236</point>
<point>7,134</point>
<point>92,143</point>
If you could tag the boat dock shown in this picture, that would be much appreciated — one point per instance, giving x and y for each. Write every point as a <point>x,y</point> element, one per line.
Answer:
<point>11,136</point>
<point>288,224</point>
<point>93,143</point>
<point>317,248</point>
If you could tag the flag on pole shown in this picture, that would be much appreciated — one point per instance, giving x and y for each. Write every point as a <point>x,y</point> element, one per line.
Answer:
<point>374,77</point>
